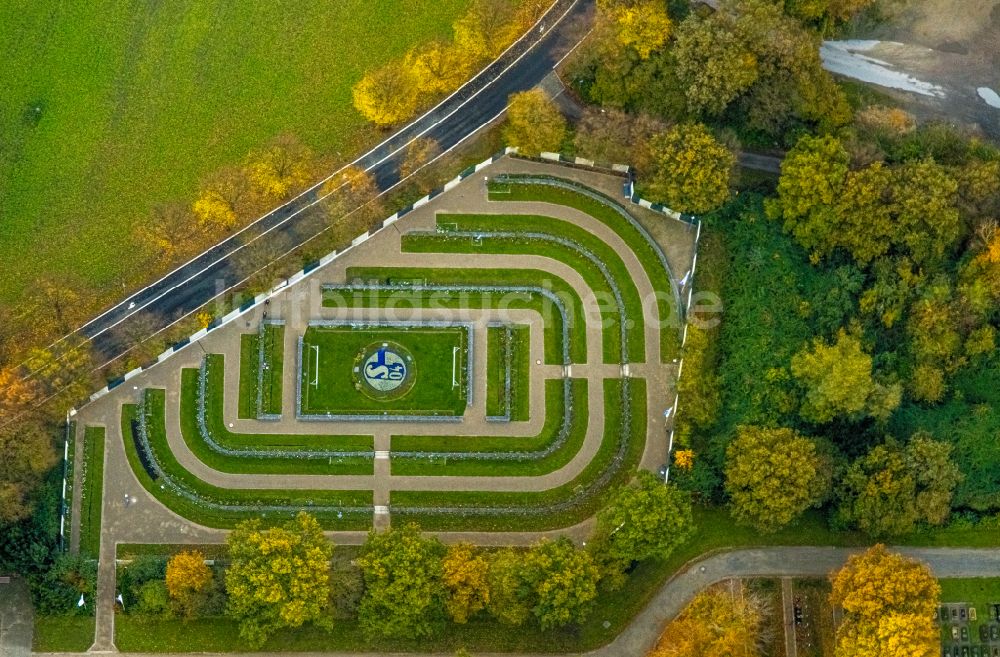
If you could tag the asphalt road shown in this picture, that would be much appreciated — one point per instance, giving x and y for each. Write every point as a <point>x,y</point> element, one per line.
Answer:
<point>478,102</point>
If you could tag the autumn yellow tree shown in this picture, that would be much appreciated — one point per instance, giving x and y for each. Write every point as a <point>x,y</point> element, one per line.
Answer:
<point>437,67</point>
<point>187,578</point>
<point>643,26</point>
<point>889,603</point>
<point>224,197</point>
<point>418,153</point>
<point>18,393</point>
<point>170,233</point>
<point>388,95</point>
<point>28,454</point>
<point>279,577</point>
<point>534,123</point>
<point>281,168</point>
<point>351,190</point>
<point>465,580</point>
<point>691,169</point>
<point>487,28</point>
<point>723,620</point>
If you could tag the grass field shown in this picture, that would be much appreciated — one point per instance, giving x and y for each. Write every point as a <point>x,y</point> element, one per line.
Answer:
<point>140,100</point>
<point>93,491</point>
<point>331,384</point>
<point>63,633</point>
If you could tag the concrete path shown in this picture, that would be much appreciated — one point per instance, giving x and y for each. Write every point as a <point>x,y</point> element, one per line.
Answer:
<point>16,619</point>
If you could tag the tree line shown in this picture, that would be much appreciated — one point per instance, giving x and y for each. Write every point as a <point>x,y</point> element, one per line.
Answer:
<point>404,584</point>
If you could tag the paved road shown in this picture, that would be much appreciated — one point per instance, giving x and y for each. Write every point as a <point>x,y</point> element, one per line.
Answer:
<point>481,100</point>
<point>644,630</point>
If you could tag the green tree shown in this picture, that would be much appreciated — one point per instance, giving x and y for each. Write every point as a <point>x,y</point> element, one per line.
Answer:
<point>924,199</point>
<point>510,599</point>
<point>812,178</point>
<point>773,475</point>
<point>534,123</point>
<point>278,577</point>
<point>713,63</point>
<point>644,520</point>
<point>837,381</point>
<point>562,580</point>
<point>691,169</point>
<point>404,593</point>
<point>890,489</point>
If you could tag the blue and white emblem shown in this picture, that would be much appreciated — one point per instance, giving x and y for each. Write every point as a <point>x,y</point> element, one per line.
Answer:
<point>385,370</point>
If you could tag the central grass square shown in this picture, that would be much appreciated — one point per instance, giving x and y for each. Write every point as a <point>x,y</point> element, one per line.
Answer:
<point>389,370</point>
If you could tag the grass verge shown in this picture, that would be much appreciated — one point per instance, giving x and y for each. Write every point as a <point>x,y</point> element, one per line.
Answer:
<point>93,491</point>
<point>63,633</point>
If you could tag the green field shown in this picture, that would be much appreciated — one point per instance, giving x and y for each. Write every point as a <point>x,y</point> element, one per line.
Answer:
<point>269,381</point>
<point>140,100</point>
<point>333,357</point>
<point>507,350</point>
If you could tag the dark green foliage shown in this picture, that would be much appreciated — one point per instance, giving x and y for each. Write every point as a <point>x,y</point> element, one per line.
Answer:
<point>58,590</point>
<point>133,577</point>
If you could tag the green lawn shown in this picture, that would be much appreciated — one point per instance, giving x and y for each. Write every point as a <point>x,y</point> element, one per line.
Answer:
<point>63,633</point>
<point>244,502</point>
<point>555,415</point>
<point>93,491</point>
<point>139,100</point>
<point>508,352</point>
<point>641,244</point>
<point>333,359</point>
<point>251,377</point>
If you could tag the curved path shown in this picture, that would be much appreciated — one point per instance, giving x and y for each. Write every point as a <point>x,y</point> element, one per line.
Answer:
<point>477,103</point>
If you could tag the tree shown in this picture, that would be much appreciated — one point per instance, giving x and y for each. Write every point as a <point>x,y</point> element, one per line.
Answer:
<point>812,177</point>
<point>534,123</point>
<point>562,580</point>
<point>646,519</point>
<point>170,233</point>
<point>924,202</point>
<point>419,152</point>
<point>699,391</point>
<point>388,95</point>
<point>223,199</point>
<point>437,67</point>
<point>719,621</point>
<point>284,166</point>
<point>612,136</point>
<point>278,577</point>
<point>837,381</point>
<point>465,580</point>
<point>890,489</point>
<point>510,600</point>
<point>404,593</point>
<point>889,602</point>
<point>935,476</point>
<point>714,64</point>
<point>18,393</point>
<point>773,475</point>
<point>690,169</point>
<point>643,26</point>
<point>27,451</point>
<point>351,189</point>
<point>187,578</point>
<point>487,27</point>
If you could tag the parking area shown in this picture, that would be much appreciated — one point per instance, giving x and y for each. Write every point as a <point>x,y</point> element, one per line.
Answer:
<point>969,630</point>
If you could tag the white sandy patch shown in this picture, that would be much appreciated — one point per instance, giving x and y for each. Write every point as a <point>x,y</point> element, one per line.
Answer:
<point>991,97</point>
<point>845,58</point>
